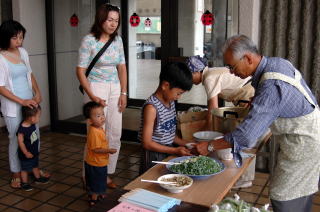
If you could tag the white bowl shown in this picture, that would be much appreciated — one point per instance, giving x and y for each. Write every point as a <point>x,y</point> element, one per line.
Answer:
<point>173,178</point>
<point>225,154</point>
<point>206,135</point>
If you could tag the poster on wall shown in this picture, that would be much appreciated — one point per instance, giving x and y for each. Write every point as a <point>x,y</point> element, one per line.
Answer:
<point>154,28</point>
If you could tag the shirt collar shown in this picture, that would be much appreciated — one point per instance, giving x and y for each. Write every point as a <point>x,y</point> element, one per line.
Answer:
<point>204,72</point>
<point>259,71</point>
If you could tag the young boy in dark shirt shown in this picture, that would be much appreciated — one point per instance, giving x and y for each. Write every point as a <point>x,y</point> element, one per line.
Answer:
<point>28,151</point>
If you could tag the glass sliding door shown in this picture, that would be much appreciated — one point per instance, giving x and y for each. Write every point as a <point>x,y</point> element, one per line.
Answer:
<point>67,42</point>
<point>195,38</point>
<point>191,39</point>
<point>68,22</point>
<point>72,20</point>
<point>144,43</point>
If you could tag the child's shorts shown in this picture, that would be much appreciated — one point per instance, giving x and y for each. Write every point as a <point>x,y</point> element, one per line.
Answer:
<point>29,164</point>
<point>148,156</point>
<point>96,177</point>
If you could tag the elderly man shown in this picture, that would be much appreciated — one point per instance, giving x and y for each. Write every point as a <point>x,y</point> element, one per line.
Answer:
<point>284,102</point>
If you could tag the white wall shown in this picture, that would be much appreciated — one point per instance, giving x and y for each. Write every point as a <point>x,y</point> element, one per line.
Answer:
<point>67,43</point>
<point>132,57</point>
<point>249,19</point>
<point>186,26</point>
<point>31,14</point>
<point>198,28</point>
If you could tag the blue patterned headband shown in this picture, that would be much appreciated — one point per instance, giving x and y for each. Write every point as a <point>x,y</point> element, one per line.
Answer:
<point>196,63</point>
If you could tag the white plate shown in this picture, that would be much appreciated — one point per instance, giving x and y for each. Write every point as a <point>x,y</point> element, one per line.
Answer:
<point>206,135</point>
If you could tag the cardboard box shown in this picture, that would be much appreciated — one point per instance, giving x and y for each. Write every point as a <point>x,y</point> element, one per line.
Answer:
<point>191,122</point>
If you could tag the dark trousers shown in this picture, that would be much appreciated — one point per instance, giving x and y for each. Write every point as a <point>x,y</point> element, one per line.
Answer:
<point>30,163</point>
<point>148,156</point>
<point>302,204</point>
<point>96,178</point>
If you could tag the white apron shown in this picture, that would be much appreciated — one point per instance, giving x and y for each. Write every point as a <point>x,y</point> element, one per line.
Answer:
<point>298,165</point>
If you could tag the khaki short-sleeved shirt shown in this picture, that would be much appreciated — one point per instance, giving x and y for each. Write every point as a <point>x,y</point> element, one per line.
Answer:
<point>219,81</point>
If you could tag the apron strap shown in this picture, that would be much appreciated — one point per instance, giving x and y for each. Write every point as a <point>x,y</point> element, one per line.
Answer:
<point>294,82</point>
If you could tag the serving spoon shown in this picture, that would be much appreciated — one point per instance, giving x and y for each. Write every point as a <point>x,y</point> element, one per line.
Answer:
<point>160,182</point>
<point>167,163</point>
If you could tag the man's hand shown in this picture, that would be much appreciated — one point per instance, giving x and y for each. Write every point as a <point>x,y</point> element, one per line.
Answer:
<point>202,148</point>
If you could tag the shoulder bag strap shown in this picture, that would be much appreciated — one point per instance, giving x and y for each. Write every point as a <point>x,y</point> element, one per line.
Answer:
<point>98,55</point>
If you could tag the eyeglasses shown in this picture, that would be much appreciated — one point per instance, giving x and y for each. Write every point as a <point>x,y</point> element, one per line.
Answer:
<point>232,68</point>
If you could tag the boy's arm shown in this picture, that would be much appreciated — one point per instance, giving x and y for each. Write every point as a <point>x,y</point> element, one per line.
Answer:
<point>180,141</point>
<point>149,118</point>
<point>23,147</point>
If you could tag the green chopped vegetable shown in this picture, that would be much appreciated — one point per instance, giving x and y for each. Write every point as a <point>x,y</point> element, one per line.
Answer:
<point>200,165</point>
<point>236,205</point>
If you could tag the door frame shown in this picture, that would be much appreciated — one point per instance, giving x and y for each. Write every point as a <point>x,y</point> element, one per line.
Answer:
<point>169,48</point>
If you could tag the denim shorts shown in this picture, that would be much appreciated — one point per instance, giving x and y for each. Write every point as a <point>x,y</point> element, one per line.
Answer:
<point>96,178</point>
<point>29,164</point>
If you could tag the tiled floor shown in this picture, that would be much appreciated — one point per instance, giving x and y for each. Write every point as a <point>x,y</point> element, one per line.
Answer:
<point>61,154</point>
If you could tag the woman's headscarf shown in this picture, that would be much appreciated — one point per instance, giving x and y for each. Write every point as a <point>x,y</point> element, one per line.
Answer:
<point>196,63</point>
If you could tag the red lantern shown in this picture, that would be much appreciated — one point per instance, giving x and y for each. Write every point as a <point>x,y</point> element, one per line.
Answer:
<point>74,20</point>
<point>207,18</point>
<point>134,20</point>
<point>147,22</point>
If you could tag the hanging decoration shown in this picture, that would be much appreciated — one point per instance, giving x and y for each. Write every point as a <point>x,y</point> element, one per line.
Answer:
<point>134,20</point>
<point>147,24</point>
<point>74,20</point>
<point>207,18</point>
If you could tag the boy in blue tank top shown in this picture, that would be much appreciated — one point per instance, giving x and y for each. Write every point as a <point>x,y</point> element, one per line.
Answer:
<point>158,120</point>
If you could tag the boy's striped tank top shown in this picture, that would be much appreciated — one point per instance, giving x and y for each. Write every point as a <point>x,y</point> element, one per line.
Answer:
<point>165,124</point>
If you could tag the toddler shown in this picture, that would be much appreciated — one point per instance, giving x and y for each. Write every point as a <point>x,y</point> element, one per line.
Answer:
<point>97,157</point>
<point>28,150</point>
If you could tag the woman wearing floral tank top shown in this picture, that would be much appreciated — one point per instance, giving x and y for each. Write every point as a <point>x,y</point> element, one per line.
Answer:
<point>107,81</point>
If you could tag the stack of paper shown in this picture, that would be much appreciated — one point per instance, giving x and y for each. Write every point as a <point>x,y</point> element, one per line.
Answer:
<point>127,207</point>
<point>149,200</point>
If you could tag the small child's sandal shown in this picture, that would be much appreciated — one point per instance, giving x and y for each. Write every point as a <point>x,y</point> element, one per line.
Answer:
<point>15,183</point>
<point>44,174</point>
<point>93,202</point>
<point>101,197</point>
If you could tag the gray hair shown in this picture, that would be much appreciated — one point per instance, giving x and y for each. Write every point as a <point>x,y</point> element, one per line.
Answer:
<point>239,45</point>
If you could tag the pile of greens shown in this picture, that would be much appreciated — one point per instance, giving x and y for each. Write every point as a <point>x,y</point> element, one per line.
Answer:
<point>236,205</point>
<point>200,165</point>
